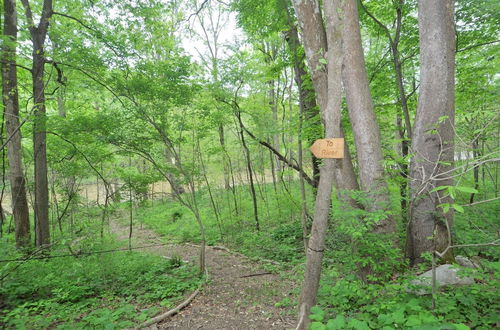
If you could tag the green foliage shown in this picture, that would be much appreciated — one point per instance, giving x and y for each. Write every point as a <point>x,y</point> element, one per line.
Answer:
<point>351,304</point>
<point>352,241</point>
<point>280,239</point>
<point>99,291</point>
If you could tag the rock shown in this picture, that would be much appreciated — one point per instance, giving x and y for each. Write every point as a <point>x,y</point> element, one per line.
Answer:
<point>445,275</point>
<point>465,262</point>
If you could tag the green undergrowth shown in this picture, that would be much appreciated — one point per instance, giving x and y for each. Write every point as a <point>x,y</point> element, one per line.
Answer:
<point>102,291</point>
<point>280,235</point>
<point>347,303</point>
<point>344,301</point>
<point>385,300</point>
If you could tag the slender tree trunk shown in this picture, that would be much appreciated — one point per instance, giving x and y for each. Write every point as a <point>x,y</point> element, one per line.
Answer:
<point>176,187</point>
<point>212,199</point>
<point>222,142</point>
<point>402,150</point>
<point>38,35</point>
<point>276,136</point>
<point>315,45</point>
<point>476,154</point>
<point>131,207</point>
<point>20,207</point>
<point>303,197</point>
<point>433,134</point>
<point>307,99</point>
<point>250,173</point>
<point>331,167</point>
<point>364,124</point>
<point>40,145</point>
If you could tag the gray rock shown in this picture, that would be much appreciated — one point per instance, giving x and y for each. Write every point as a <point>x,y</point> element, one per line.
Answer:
<point>445,275</point>
<point>465,262</point>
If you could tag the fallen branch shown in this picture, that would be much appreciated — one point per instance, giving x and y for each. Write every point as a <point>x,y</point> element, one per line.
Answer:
<point>172,312</point>
<point>258,274</point>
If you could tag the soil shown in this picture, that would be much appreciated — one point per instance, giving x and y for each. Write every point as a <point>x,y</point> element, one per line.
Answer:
<point>228,301</point>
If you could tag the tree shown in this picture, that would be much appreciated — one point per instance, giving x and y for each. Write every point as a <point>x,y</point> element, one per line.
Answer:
<point>328,172</point>
<point>10,99</point>
<point>364,123</point>
<point>315,45</point>
<point>398,57</point>
<point>433,132</point>
<point>38,35</point>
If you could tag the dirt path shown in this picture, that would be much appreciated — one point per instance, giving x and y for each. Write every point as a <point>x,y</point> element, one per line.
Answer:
<point>228,300</point>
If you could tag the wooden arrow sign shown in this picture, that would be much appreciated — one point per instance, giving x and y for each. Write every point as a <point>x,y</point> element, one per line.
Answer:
<point>328,148</point>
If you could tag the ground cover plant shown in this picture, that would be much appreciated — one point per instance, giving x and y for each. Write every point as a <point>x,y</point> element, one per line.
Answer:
<point>109,290</point>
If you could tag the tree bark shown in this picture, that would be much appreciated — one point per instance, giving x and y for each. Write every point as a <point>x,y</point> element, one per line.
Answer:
<point>364,123</point>
<point>315,46</point>
<point>307,99</point>
<point>331,168</point>
<point>404,131</point>
<point>174,183</point>
<point>433,134</point>
<point>20,207</point>
<point>38,35</point>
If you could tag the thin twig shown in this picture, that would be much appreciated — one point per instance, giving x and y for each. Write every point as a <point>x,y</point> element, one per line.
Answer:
<point>481,202</point>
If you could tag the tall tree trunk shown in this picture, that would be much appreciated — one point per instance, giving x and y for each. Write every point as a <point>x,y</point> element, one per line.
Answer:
<point>433,134</point>
<point>404,132</point>
<point>364,124</point>
<point>40,146</point>
<point>38,35</point>
<point>20,207</point>
<point>331,168</point>
<point>307,99</point>
<point>276,136</point>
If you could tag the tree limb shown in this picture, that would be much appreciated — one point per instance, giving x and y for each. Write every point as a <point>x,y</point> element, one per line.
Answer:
<point>274,151</point>
<point>477,45</point>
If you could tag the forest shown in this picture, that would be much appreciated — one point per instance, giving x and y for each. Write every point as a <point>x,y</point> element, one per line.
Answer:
<point>250,164</point>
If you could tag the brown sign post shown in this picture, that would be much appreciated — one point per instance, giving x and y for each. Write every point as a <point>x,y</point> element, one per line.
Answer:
<point>328,148</point>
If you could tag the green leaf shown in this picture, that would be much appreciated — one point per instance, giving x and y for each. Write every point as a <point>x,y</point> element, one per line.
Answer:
<point>459,208</point>
<point>398,317</point>
<point>440,188</point>
<point>322,61</point>
<point>413,320</point>
<point>317,314</point>
<point>318,326</point>
<point>336,323</point>
<point>461,326</point>
<point>468,190</point>
<point>358,325</point>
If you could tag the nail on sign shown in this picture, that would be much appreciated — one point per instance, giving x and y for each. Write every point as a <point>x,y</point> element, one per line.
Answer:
<point>328,148</point>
